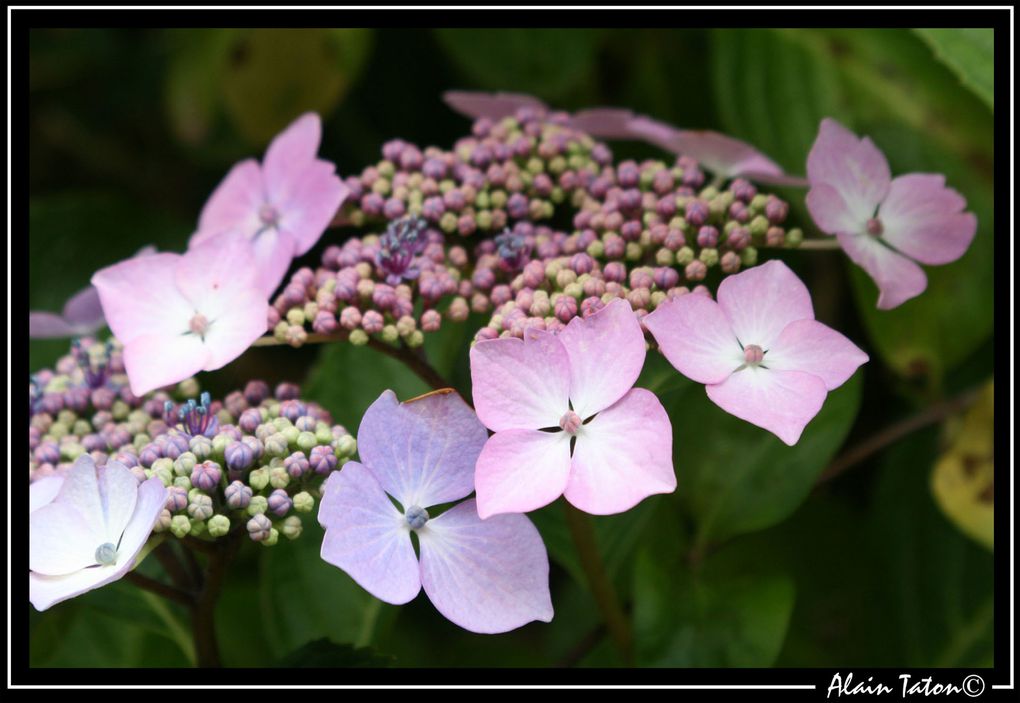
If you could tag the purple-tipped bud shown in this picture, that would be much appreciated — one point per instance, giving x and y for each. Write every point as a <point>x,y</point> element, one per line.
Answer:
<point>249,420</point>
<point>259,528</point>
<point>176,499</point>
<point>708,236</point>
<point>206,475</point>
<point>238,495</point>
<point>615,271</point>
<point>776,210</point>
<point>738,238</point>
<point>322,460</point>
<point>666,277</point>
<point>641,278</point>
<point>590,306</point>
<point>372,322</point>
<point>696,212</point>
<point>696,270</point>
<point>279,502</point>
<point>150,453</point>
<point>292,409</point>
<point>287,391</point>
<point>238,456</point>
<point>296,464</point>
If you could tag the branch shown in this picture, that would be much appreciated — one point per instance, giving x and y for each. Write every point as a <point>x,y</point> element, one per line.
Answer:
<point>161,589</point>
<point>897,431</point>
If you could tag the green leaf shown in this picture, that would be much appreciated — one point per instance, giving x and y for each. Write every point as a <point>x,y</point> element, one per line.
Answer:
<point>970,53</point>
<point>772,92</point>
<point>547,62</point>
<point>322,653</point>
<point>722,615</point>
<point>347,379</point>
<point>735,477</point>
<point>192,91</point>
<point>304,598</point>
<point>274,75</point>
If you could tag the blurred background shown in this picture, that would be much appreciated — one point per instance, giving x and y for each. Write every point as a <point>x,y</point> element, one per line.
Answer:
<point>766,556</point>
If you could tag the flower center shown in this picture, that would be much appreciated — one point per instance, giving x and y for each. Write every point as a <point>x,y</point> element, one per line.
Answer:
<point>416,517</point>
<point>268,215</point>
<point>753,354</point>
<point>106,554</point>
<point>199,324</point>
<point>570,422</point>
<point>874,227</point>
<point>192,418</point>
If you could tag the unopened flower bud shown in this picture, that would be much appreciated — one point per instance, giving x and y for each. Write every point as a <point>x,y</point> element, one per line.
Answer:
<point>218,525</point>
<point>238,495</point>
<point>304,502</point>
<point>180,525</point>
<point>259,528</point>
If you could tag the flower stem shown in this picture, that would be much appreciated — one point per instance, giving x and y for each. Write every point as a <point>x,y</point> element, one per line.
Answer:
<point>819,244</point>
<point>582,530</point>
<point>203,610</point>
<point>151,585</point>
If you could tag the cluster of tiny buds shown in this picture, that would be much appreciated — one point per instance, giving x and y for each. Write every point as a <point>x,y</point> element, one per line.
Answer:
<point>644,231</point>
<point>254,460</point>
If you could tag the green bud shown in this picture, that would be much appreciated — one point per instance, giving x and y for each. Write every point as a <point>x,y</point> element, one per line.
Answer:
<point>164,473</point>
<point>183,482</point>
<point>304,502</point>
<point>749,256</point>
<point>120,410</point>
<point>759,225</point>
<point>535,165</point>
<point>276,445</point>
<point>258,505</point>
<point>200,507</point>
<point>684,256</point>
<point>448,222</point>
<point>482,201</point>
<point>291,434</point>
<point>281,423</point>
<point>498,198</point>
<point>197,526</point>
<point>359,337</point>
<point>484,219</point>
<point>389,334</point>
<point>709,257</point>
<point>70,451</point>
<point>66,417</point>
<point>664,257</point>
<point>188,388</point>
<point>180,525</point>
<point>345,446</point>
<point>633,251</point>
<point>219,444</point>
<point>415,339</point>
<point>272,539</point>
<point>306,441</point>
<point>574,290</point>
<point>218,525</point>
<point>258,478</point>
<point>280,331</point>
<point>596,249</point>
<point>758,203</point>
<point>58,430</point>
<point>291,527</point>
<point>81,427</point>
<point>323,435</point>
<point>278,477</point>
<point>296,316</point>
<point>794,237</point>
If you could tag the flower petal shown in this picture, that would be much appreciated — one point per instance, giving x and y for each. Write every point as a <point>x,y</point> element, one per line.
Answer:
<point>811,347</point>
<point>487,576</point>
<point>898,278</point>
<point>523,384</point>
<point>230,334</point>
<point>763,300</point>
<point>722,154</point>
<point>42,491</point>
<point>84,309</point>
<point>61,539</point>
<point>830,211</point>
<point>118,491</point>
<point>922,218</point>
<point>622,456</point>
<point>234,204</point>
<point>290,152</point>
<point>521,470</point>
<point>313,198</point>
<point>492,105</point>
<point>856,168</point>
<point>48,325</point>
<point>654,132</point>
<point>606,352</point>
<point>80,489</point>
<point>212,268</point>
<point>422,452</point>
<point>45,591</point>
<point>151,499</point>
<point>366,536</point>
<point>695,335</point>
<point>604,122</point>
<point>782,402</point>
<point>140,297</point>
<point>156,360</point>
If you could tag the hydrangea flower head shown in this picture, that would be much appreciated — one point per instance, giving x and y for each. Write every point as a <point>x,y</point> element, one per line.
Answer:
<point>486,576</point>
<point>567,419</point>
<point>759,351</point>
<point>86,528</point>
<point>887,226</point>
<point>178,314</point>
<point>283,205</point>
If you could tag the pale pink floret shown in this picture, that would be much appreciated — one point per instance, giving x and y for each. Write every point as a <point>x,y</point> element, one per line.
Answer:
<point>178,314</point>
<point>486,576</point>
<point>283,205</point>
<point>886,225</point>
<point>74,516</point>
<point>759,351</point>
<point>531,391</point>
